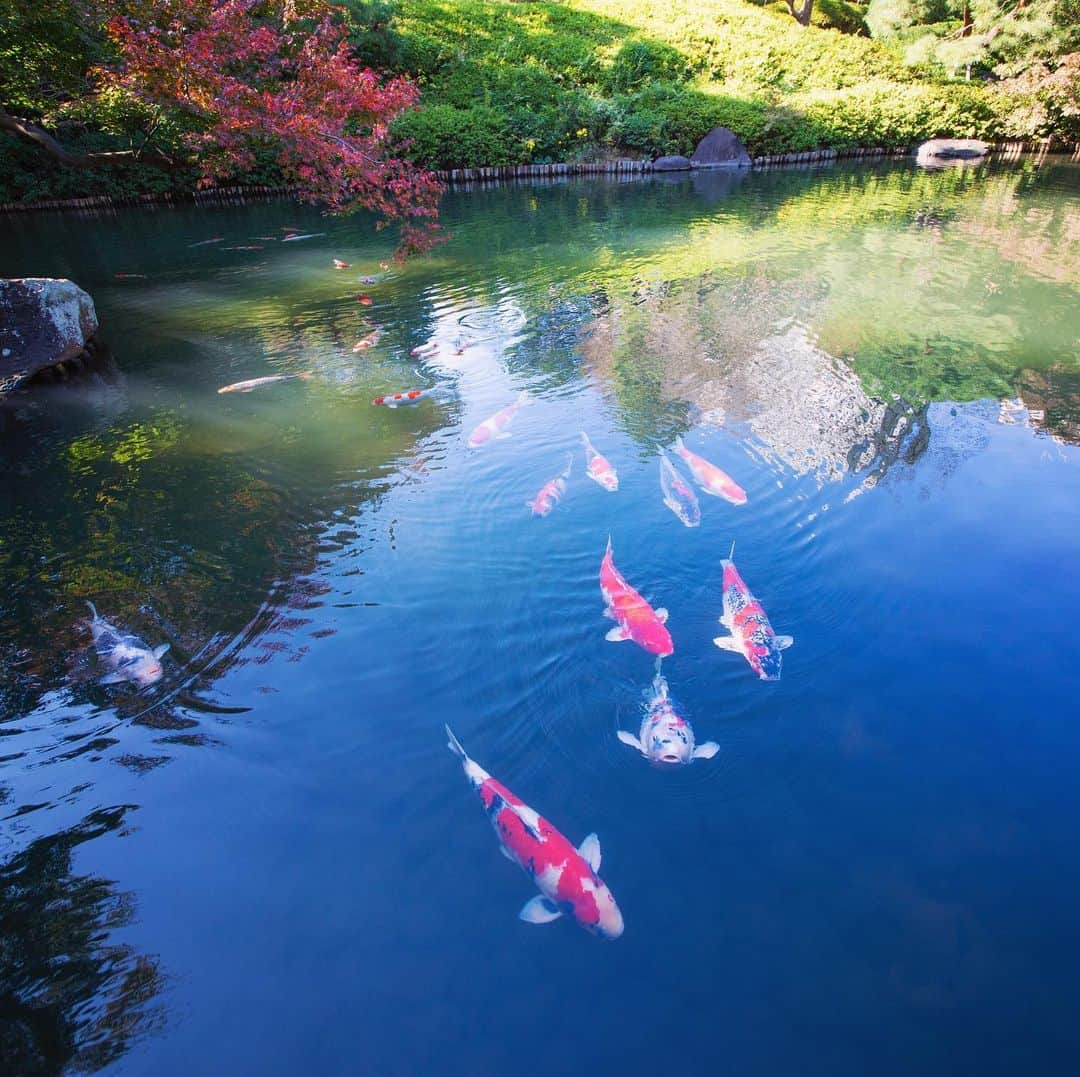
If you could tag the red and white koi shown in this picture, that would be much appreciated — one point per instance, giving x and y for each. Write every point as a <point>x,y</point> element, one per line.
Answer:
<point>566,877</point>
<point>339,264</point>
<point>634,618</point>
<point>293,237</point>
<point>551,492</point>
<point>751,634</point>
<point>402,400</point>
<point>666,737</point>
<point>599,469</point>
<point>364,300</point>
<point>425,351</point>
<point>710,478</point>
<point>494,429</point>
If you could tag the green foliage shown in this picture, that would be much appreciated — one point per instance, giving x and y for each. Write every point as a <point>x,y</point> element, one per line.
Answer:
<point>447,137</point>
<point>839,15</point>
<point>46,47</point>
<point>553,80</point>
<point>640,62</point>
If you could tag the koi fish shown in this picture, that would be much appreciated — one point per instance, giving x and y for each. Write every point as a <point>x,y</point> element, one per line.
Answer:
<point>207,242</point>
<point>710,478</point>
<point>367,342</point>
<point>130,276</point>
<point>494,429</point>
<point>292,237</point>
<point>247,247</point>
<point>364,300</point>
<point>402,400</point>
<point>751,634</point>
<point>369,280</point>
<point>551,492</point>
<point>634,618</point>
<point>665,736</point>
<point>128,658</point>
<point>677,495</point>
<point>384,265</point>
<point>425,350</point>
<point>566,877</point>
<point>599,469</point>
<point>339,264</point>
<point>258,383</point>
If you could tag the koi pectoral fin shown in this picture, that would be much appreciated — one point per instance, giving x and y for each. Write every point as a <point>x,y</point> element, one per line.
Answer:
<point>706,750</point>
<point>783,642</point>
<point>506,852</point>
<point>589,851</point>
<point>617,634</point>
<point>631,740</point>
<point>540,910</point>
<point>661,615</point>
<point>728,643</point>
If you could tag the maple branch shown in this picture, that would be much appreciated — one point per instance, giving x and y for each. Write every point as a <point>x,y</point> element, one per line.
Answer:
<point>45,142</point>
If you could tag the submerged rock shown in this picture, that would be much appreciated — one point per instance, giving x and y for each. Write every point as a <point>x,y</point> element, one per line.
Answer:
<point>720,148</point>
<point>675,163</point>
<point>43,322</point>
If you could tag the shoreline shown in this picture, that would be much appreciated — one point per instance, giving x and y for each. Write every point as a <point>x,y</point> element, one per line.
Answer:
<point>464,178</point>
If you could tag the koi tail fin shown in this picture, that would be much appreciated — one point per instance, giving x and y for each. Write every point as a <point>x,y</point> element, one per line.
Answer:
<point>523,399</point>
<point>679,446</point>
<point>569,465</point>
<point>586,442</point>
<point>731,554</point>
<point>93,610</point>
<point>454,744</point>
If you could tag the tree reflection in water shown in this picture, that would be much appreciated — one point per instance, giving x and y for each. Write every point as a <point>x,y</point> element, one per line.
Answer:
<point>71,997</point>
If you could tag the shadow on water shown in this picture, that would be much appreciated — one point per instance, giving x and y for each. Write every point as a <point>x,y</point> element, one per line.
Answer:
<point>822,332</point>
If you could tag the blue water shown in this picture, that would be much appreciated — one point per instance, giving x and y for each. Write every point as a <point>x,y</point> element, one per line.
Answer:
<point>270,863</point>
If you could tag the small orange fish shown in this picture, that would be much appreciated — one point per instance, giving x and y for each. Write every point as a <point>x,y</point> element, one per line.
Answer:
<point>339,264</point>
<point>384,265</point>
<point>367,342</point>
<point>365,300</point>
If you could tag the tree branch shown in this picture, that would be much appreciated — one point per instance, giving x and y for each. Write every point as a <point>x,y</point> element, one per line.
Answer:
<point>801,14</point>
<point>45,142</point>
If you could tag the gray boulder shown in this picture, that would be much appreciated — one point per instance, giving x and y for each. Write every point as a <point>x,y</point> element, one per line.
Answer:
<point>939,151</point>
<point>675,163</point>
<point>43,322</point>
<point>720,148</point>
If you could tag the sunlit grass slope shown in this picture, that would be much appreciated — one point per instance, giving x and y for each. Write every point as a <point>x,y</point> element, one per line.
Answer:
<point>510,82</point>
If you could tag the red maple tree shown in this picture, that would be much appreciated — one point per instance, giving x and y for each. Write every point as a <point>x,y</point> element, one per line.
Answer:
<point>275,75</point>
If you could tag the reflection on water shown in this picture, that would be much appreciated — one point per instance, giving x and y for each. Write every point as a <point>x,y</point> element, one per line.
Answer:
<point>335,580</point>
<point>71,998</point>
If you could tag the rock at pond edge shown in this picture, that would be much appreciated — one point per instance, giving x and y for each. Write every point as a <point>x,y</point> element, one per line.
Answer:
<point>942,150</point>
<point>720,148</point>
<point>674,163</point>
<point>43,321</point>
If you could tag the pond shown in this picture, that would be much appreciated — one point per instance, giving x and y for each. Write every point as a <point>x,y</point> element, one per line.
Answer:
<point>267,861</point>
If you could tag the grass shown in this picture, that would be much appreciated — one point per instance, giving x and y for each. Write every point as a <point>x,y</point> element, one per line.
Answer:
<point>515,83</point>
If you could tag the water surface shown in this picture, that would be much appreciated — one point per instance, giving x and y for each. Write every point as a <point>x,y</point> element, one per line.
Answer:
<point>270,863</point>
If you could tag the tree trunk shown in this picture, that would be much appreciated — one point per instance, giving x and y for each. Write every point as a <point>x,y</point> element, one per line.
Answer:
<point>968,26</point>
<point>48,145</point>
<point>801,14</point>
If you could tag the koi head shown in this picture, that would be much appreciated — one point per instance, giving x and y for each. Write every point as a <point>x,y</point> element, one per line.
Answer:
<point>609,923</point>
<point>765,657</point>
